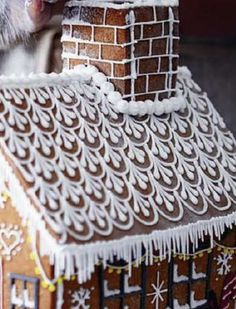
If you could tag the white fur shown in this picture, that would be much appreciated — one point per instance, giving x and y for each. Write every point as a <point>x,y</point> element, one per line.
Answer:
<point>14,21</point>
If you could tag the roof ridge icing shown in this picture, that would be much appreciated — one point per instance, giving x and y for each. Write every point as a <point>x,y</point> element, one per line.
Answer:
<point>88,74</point>
<point>115,152</point>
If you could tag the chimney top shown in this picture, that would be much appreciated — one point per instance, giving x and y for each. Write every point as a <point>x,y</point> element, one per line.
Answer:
<point>134,43</point>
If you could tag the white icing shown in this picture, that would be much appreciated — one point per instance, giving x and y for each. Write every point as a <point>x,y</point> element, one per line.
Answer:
<point>60,296</point>
<point>21,300</point>
<point>178,306</point>
<point>108,292</point>
<point>196,275</point>
<point>170,50</point>
<point>158,291</point>
<point>176,277</point>
<point>128,288</point>
<point>11,240</point>
<point>223,263</point>
<point>141,108</point>
<point>133,60</point>
<point>196,303</point>
<point>208,147</point>
<point>80,299</point>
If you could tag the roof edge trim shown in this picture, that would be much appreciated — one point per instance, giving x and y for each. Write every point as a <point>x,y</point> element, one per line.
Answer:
<point>169,242</point>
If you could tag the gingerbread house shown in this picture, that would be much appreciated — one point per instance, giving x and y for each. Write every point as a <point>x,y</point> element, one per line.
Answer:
<point>118,176</point>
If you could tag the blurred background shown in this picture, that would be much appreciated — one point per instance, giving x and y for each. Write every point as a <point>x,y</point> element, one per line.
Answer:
<point>208,48</point>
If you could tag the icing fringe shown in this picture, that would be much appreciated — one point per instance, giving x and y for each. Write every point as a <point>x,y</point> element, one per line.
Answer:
<point>67,259</point>
<point>130,247</point>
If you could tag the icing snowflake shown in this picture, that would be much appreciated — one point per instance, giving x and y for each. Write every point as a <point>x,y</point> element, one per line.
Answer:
<point>80,298</point>
<point>158,291</point>
<point>223,263</point>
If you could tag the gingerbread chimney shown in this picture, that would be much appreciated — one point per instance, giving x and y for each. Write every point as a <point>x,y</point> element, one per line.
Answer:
<point>134,43</point>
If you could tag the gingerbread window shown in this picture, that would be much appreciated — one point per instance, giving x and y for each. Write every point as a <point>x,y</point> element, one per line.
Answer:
<point>117,290</point>
<point>24,292</point>
<point>188,283</point>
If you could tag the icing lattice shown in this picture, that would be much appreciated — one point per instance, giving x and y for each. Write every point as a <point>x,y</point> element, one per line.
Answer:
<point>93,172</point>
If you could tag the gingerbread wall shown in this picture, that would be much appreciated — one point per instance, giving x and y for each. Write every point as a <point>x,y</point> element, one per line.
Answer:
<point>137,48</point>
<point>19,258</point>
<point>182,281</point>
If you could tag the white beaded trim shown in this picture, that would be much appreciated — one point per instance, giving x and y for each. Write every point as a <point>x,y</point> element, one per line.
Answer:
<point>133,108</point>
<point>141,108</point>
<point>85,74</point>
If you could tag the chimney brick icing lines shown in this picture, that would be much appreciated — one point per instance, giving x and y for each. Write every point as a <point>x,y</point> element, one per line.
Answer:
<point>137,47</point>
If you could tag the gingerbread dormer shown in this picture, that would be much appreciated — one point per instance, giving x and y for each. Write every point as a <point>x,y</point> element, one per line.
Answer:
<point>134,43</point>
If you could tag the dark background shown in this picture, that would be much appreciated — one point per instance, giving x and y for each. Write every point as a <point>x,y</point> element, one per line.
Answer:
<point>208,48</point>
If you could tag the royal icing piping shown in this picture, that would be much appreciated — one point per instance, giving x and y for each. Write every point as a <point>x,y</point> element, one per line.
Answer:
<point>186,159</point>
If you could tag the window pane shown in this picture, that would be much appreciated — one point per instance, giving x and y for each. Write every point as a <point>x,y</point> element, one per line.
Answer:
<point>111,283</point>
<point>136,276</point>
<point>180,294</point>
<point>23,291</point>
<point>198,294</point>
<point>30,289</point>
<point>132,301</point>
<point>180,270</point>
<point>112,304</point>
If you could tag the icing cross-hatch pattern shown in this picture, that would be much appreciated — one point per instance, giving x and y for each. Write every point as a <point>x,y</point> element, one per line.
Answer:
<point>97,174</point>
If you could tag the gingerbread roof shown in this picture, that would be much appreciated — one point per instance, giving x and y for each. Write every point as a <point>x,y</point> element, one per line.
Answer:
<point>97,176</point>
